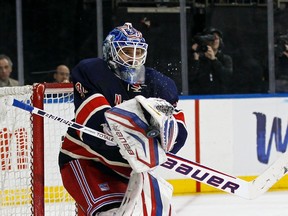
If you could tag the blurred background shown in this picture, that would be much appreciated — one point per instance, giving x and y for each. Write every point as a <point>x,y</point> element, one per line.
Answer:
<point>38,35</point>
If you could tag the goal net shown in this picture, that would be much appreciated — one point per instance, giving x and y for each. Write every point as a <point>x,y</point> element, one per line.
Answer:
<point>29,145</point>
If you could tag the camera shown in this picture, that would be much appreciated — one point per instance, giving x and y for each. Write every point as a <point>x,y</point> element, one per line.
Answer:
<point>203,41</point>
<point>280,47</point>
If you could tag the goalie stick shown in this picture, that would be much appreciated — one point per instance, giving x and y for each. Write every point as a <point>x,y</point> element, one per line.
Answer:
<point>225,182</point>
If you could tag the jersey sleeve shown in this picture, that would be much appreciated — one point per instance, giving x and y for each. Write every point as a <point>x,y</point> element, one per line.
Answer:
<point>182,131</point>
<point>90,103</point>
<point>161,86</point>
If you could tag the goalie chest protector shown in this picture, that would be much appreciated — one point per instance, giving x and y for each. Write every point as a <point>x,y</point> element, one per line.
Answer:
<point>93,76</point>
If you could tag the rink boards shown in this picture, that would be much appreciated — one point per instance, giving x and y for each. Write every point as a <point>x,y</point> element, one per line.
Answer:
<point>240,136</point>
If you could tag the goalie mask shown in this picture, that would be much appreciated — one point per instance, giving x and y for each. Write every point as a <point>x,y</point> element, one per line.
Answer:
<point>125,50</point>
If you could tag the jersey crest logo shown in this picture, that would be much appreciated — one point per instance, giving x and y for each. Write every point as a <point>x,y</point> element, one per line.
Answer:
<point>80,89</point>
<point>118,99</point>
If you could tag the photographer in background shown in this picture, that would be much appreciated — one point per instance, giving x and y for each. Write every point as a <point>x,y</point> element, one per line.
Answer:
<point>210,69</point>
<point>281,66</point>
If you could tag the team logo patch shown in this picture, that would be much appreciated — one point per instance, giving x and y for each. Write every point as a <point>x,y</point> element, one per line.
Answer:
<point>104,186</point>
<point>80,89</point>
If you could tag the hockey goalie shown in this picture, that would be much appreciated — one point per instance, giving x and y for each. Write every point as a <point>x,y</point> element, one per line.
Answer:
<point>136,105</point>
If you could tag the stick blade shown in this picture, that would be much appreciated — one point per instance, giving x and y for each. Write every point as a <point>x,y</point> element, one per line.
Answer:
<point>270,176</point>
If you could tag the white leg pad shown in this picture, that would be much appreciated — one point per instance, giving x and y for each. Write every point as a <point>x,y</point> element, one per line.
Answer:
<point>147,194</point>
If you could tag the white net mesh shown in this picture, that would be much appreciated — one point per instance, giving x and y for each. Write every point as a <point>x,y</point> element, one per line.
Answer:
<point>60,103</point>
<point>15,151</point>
<point>16,144</point>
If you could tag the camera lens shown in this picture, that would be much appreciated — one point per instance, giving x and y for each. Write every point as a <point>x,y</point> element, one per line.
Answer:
<point>202,48</point>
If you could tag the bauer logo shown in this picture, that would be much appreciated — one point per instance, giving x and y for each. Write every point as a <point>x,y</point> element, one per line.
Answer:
<point>121,139</point>
<point>263,149</point>
<point>208,177</point>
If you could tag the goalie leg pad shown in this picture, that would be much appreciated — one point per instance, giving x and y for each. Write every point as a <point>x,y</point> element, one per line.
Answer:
<point>128,127</point>
<point>147,194</point>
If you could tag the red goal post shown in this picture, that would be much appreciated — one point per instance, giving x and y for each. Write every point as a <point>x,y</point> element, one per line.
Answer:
<point>29,145</point>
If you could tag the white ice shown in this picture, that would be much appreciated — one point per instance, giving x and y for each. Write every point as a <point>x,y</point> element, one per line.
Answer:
<point>221,204</point>
<point>213,204</point>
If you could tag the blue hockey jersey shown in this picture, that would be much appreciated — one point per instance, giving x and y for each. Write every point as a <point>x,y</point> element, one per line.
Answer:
<point>97,89</point>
